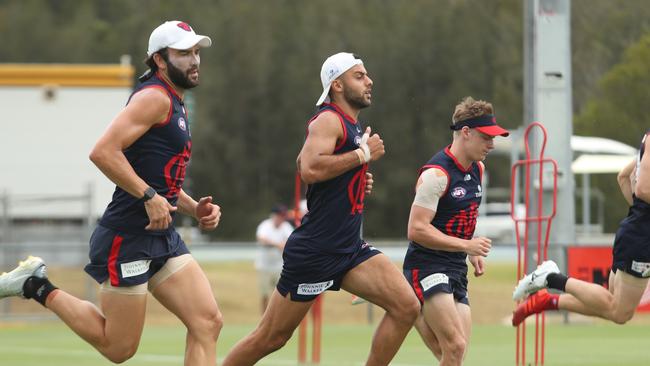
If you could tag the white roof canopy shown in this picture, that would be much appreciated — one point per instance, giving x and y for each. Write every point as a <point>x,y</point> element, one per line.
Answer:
<point>579,145</point>
<point>595,155</point>
<point>600,163</point>
<point>600,145</point>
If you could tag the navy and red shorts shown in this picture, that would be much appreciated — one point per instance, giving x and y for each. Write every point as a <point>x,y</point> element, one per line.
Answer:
<point>130,259</point>
<point>427,282</point>
<point>307,272</point>
<point>632,245</point>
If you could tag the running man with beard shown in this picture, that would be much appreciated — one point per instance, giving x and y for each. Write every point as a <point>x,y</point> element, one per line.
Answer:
<point>135,248</point>
<point>326,252</point>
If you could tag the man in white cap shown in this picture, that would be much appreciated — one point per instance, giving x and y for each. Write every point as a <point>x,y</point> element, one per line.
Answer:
<point>135,248</point>
<point>326,252</point>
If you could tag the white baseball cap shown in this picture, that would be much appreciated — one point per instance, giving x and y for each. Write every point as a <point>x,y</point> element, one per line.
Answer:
<point>177,35</point>
<point>334,67</point>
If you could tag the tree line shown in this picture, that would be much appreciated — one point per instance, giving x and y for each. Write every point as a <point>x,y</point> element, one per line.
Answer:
<point>260,80</point>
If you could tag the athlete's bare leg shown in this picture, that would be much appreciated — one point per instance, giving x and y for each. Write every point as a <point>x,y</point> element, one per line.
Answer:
<point>466,317</point>
<point>451,323</point>
<point>188,295</point>
<point>264,303</point>
<point>379,281</point>
<point>617,305</point>
<point>280,319</point>
<point>114,331</point>
<point>428,337</point>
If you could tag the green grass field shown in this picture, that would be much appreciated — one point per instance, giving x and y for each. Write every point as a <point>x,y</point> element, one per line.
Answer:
<point>346,334</point>
<point>595,344</point>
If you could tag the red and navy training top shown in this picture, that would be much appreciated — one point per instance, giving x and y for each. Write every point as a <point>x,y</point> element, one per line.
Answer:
<point>456,214</point>
<point>335,206</point>
<point>160,157</point>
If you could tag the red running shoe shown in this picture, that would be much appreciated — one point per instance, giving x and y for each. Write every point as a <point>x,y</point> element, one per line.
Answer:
<point>534,304</point>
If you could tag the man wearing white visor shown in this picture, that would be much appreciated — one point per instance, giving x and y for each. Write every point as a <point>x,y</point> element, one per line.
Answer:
<point>135,248</point>
<point>326,252</point>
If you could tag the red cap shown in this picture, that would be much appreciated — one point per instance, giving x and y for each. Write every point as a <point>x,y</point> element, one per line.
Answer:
<point>494,130</point>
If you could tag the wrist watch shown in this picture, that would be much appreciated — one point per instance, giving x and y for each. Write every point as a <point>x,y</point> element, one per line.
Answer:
<point>148,194</point>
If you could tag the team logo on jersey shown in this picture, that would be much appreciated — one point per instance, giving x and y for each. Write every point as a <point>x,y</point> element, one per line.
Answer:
<point>358,129</point>
<point>467,177</point>
<point>480,191</point>
<point>181,123</point>
<point>175,170</point>
<point>458,192</point>
<point>462,224</point>
<point>357,191</point>
<point>357,140</point>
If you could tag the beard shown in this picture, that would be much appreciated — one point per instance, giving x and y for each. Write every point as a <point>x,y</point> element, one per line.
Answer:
<point>356,101</point>
<point>179,78</point>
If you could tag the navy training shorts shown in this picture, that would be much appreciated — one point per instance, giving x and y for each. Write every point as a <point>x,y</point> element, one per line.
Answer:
<point>130,259</point>
<point>631,252</point>
<point>427,282</point>
<point>307,272</point>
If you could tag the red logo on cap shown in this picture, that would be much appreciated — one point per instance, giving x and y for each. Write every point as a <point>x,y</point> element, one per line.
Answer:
<point>184,26</point>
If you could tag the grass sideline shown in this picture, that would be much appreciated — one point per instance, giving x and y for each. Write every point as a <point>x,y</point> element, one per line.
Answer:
<point>235,287</point>
<point>346,334</point>
<point>343,345</point>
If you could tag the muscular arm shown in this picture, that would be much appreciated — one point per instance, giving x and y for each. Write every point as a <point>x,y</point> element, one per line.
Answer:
<point>316,161</point>
<point>477,261</point>
<point>207,213</point>
<point>421,231</point>
<point>624,179</point>
<point>430,186</point>
<point>146,108</point>
<point>642,185</point>
<point>186,204</point>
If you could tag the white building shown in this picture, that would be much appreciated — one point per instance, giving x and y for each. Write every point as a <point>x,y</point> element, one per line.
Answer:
<point>52,116</point>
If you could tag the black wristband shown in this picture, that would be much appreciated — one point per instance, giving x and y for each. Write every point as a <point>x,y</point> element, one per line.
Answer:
<point>149,193</point>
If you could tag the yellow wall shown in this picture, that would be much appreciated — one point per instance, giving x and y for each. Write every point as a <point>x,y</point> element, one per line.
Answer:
<point>66,75</point>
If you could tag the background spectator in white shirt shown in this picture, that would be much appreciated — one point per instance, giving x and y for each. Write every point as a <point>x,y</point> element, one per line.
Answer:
<point>272,234</point>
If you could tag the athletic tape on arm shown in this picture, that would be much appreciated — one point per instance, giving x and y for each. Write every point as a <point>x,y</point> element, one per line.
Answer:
<point>434,184</point>
<point>363,145</point>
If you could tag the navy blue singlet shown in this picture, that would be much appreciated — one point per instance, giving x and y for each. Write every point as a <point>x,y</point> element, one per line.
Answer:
<point>160,158</point>
<point>456,214</point>
<point>333,222</point>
